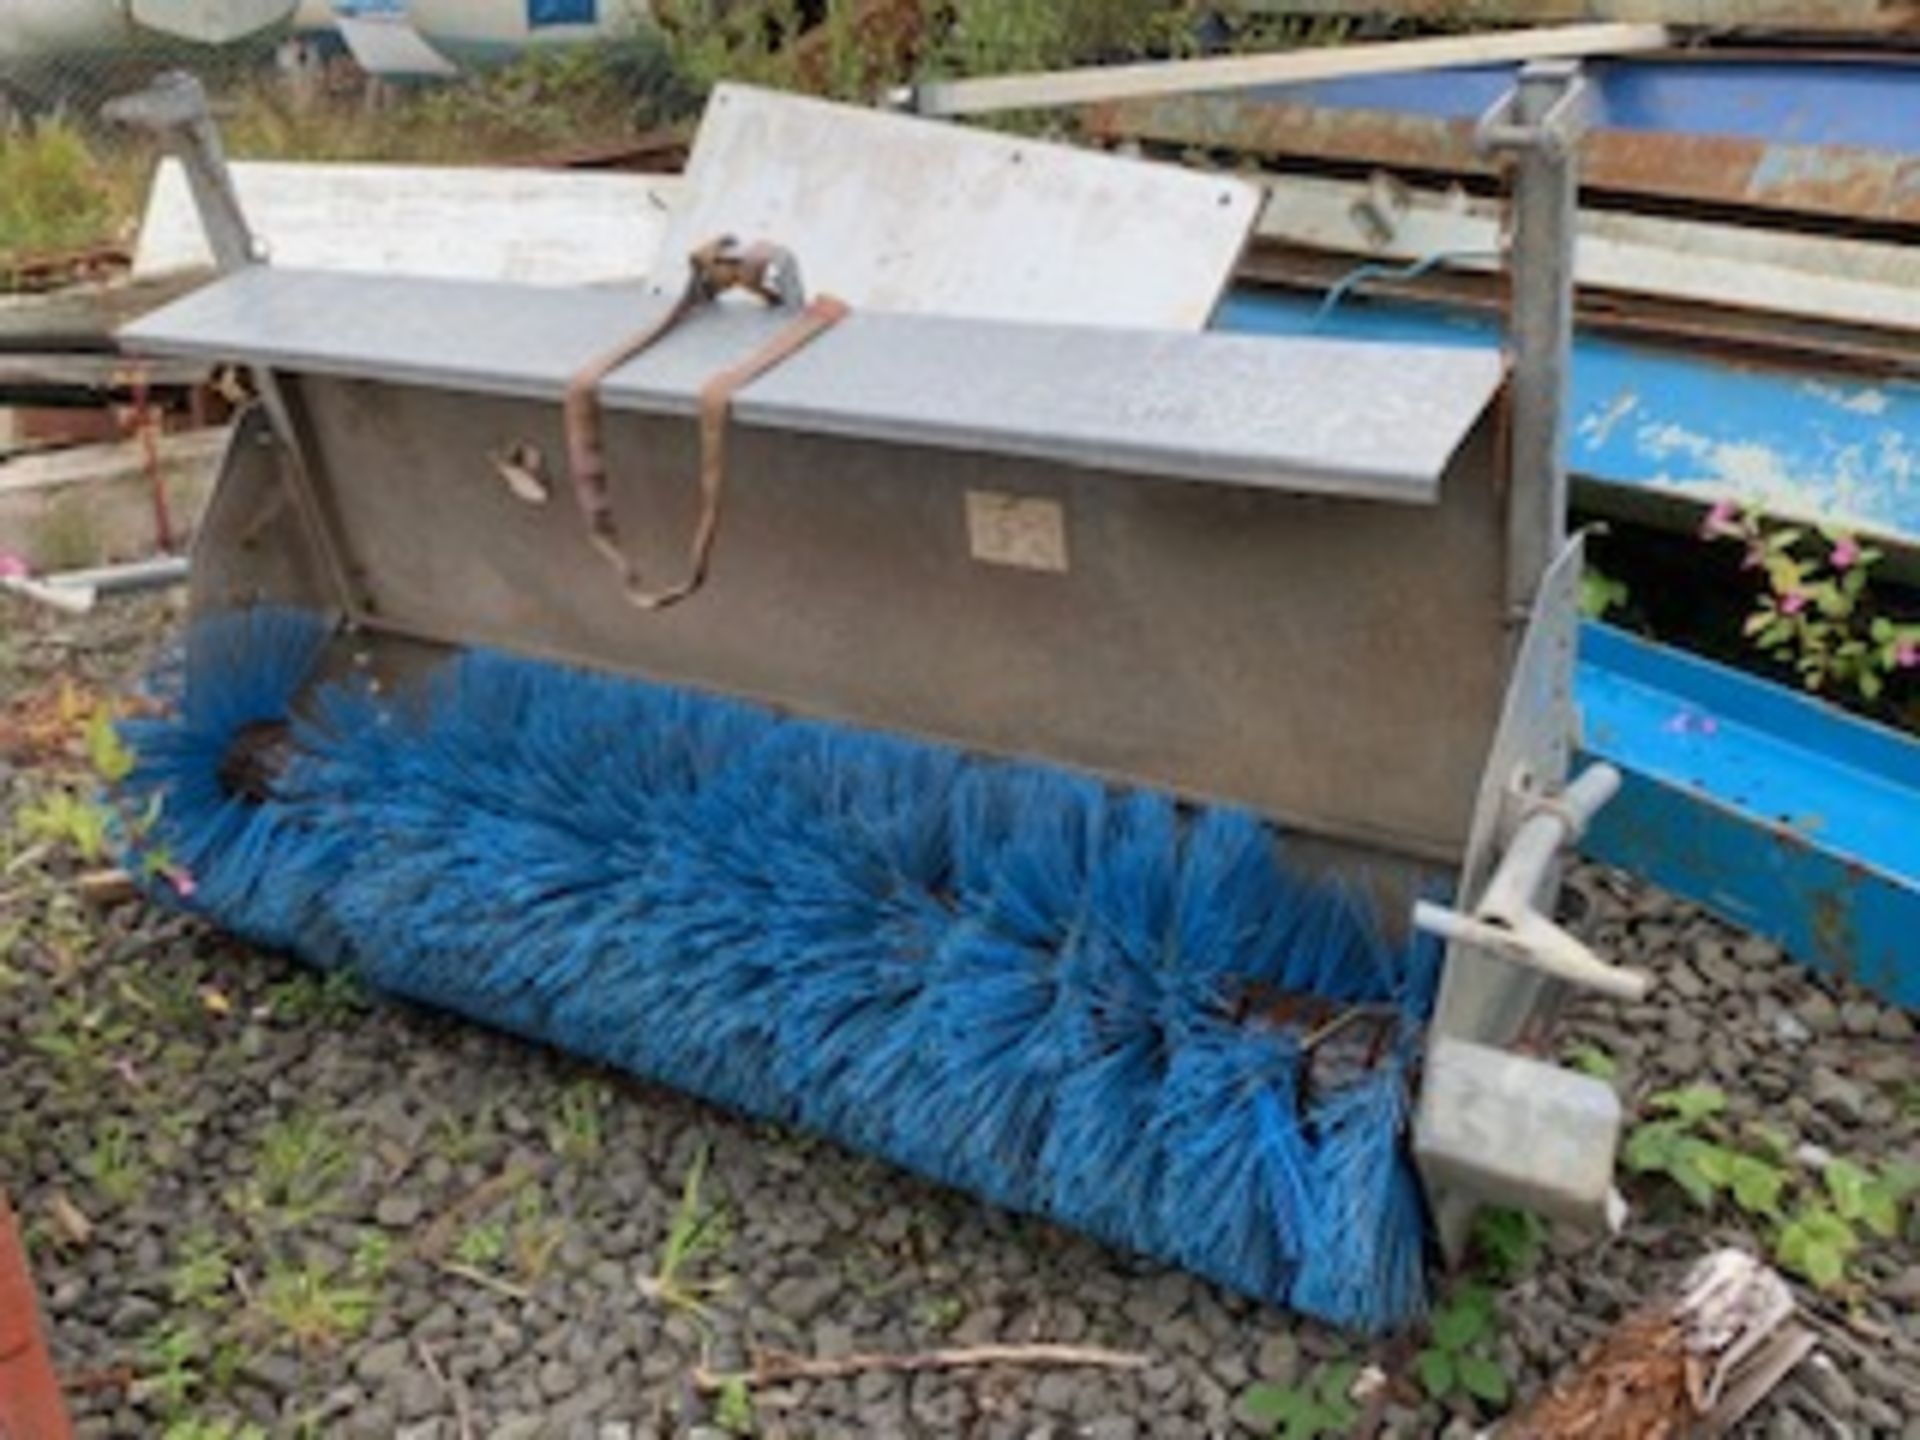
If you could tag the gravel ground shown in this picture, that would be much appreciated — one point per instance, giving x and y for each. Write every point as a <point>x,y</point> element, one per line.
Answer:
<point>259,1199</point>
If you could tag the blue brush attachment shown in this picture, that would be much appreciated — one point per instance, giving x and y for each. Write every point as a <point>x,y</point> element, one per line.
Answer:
<point>1011,979</point>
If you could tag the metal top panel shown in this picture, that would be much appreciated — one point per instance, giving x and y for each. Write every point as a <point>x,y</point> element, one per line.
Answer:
<point>895,213</point>
<point>1372,421</point>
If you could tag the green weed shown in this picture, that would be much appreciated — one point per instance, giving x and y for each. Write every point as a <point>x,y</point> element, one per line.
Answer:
<point>323,997</point>
<point>578,1130</point>
<point>196,1428</point>
<point>297,1168</point>
<point>372,1257</point>
<point>483,1245</point>
<point>65,818</point>
<point>1319,1405</point>
<point>1459,1360</point>
<point>696,1233</point>
<point>171,1357</point>
<point>1507,1243</point>
<point>313,1309</point>
<point>202,1272</point>
<point>114,1166</point>
<point>733,1406</point>
<point>1815,1229</point>
<point>54,194</point>
<point>1592,1060</point>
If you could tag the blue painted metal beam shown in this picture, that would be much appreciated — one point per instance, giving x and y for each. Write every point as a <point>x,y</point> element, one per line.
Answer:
<point>1779,812</point>
<point>1776,811</point>
<point>1788,102</point>
<point>1816,445</point>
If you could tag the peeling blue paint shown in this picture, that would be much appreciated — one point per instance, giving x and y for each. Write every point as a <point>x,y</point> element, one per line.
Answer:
<point>1789,103</point>
<point>1776,811</point>
<point>1809,443</point>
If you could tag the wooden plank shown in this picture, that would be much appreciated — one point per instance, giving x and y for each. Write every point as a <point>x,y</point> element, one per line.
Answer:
<point>1238,72</point>
<point>93,504</point>
<point>85,317</point>
<point>1799,16</point>
<point>100,373</point>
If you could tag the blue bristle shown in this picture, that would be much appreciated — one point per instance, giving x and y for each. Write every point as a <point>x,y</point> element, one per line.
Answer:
<point>1367,1267</point>
<point>1006,977</point>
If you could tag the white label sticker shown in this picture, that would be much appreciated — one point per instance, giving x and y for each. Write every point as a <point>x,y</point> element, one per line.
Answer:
<point>1017,530</point>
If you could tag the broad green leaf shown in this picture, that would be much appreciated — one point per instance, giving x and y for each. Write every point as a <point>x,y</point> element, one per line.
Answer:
<point>1686,1172</point>
<point>1270,1404</point>
<point>1825,1266</point>
<point>1847,1183</point>
<point>1592,1060</point>
<point>1436,1372</point>
<point>1336,1381</point>
<point>1454,1330</point>
<point>1714,1162</point>
<point>1880,1206</point>
<point>1484,1380</point>
<point>1652,1147</point>
<point>1691,1103</point>
<point>1757,1185</point>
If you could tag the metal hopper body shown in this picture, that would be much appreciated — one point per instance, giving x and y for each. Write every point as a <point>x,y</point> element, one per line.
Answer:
<point>1272,575</point>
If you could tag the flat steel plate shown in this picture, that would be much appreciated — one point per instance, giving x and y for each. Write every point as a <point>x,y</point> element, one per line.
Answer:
<point>1309,416</point>
<point>896,213</point>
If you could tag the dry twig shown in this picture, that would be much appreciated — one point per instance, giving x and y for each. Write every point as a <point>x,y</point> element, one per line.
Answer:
<point>775,1368</point>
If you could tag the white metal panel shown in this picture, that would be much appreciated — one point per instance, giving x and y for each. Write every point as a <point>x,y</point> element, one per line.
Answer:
<point>212,22</point>
<point>535,226</point>
<point>483,32</point>
<point>47,29</point>
<point>388,45</point>
<point>894,213</point>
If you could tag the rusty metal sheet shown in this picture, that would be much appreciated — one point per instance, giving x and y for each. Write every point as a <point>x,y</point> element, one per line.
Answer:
<point>1821,16</point>
<point>1847,182</point>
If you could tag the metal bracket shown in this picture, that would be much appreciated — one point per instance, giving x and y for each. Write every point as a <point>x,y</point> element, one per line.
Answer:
<point>1507,922</point>
<point>1551,119</point>
<point>174,110</point>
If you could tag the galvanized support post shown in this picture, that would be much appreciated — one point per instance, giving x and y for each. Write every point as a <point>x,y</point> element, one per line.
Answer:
<point>174,110</point>
<point>1539,124</point>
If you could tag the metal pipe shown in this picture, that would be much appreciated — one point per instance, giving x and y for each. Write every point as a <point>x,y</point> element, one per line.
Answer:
<point>1539,124</point>
<point>1217,73</point>
<point>1509,922</point>
<point>151,574</point>
<point>174,109</point>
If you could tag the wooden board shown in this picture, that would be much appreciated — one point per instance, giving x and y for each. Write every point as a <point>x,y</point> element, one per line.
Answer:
<point>1811,276</point>
<point>535,226</point>
<point>93,504</point>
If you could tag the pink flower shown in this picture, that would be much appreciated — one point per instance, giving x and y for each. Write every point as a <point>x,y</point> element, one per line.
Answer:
<point>182,881</point>
<point>1906,654</point>
<point>1846,551</point>
<point>1793,602</point>
<point>12,567</point>
<point>1723,521</point>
